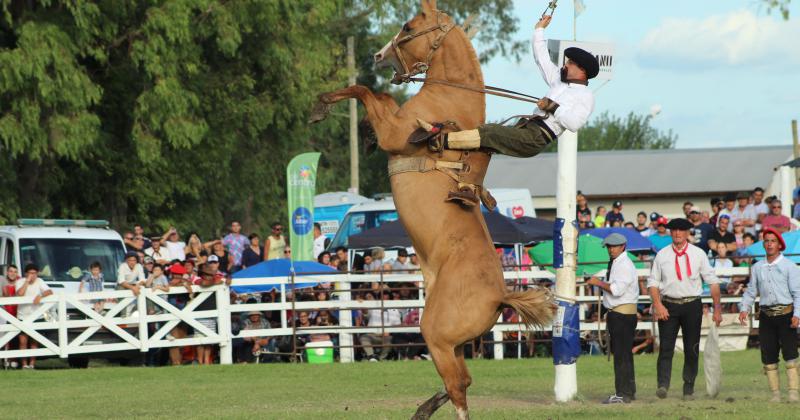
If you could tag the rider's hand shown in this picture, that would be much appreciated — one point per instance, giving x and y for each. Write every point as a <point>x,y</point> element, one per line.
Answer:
<point>547,105</point>
<point>543,22</point>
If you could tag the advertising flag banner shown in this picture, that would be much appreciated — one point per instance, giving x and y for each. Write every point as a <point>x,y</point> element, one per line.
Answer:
<point>301,181</point>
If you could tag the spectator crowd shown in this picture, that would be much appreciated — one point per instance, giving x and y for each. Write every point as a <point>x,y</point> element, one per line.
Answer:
<point>724,229</point>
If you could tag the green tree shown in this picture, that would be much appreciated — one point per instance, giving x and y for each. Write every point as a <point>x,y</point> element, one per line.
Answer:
<point>607,132</point>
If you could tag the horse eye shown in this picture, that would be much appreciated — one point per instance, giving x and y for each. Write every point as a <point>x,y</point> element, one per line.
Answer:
<point>406,28</point>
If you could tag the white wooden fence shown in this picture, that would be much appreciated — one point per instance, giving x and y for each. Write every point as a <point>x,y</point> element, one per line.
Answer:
<point>65,324</point>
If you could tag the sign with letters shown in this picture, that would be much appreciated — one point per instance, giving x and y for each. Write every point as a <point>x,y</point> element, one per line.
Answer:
<point>603,52</point>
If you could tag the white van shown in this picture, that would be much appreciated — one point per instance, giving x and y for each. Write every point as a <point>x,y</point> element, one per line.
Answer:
<point>364,216</point>
<point>62,249</point>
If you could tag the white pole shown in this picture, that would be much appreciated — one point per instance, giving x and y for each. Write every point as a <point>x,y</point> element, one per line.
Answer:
<point>566,381</point>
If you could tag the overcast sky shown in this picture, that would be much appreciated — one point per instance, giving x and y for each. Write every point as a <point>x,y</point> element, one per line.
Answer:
<point>723,71</point>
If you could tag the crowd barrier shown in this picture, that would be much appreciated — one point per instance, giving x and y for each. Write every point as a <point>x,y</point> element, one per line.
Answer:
<point>67,323</point>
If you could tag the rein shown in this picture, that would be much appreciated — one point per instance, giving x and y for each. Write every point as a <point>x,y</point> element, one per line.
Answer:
<point>490,90</point>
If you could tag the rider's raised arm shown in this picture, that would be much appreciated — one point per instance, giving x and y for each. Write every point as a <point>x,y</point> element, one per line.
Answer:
<point>550,71</point>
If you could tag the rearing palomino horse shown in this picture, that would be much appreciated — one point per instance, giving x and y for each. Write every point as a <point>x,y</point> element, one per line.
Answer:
<point>436,196</point>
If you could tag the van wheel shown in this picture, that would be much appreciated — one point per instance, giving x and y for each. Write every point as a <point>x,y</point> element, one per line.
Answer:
<point>78,362</point>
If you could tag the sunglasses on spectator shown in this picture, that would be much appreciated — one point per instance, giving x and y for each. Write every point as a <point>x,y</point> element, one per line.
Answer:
<point>776,207</point>
<point>288,251</point>
<point>129,238</point>
<point>277,228</point>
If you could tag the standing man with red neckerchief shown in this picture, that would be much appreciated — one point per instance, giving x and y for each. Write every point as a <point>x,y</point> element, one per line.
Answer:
<point>675,285</point>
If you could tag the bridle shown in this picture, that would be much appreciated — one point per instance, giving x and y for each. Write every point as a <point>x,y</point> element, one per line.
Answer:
<point>420,66</point>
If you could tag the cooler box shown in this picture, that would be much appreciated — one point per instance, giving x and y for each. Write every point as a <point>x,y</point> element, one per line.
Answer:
<point>317,353</point>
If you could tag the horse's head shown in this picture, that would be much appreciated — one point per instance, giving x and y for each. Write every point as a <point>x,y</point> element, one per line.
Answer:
<point>415,43</point>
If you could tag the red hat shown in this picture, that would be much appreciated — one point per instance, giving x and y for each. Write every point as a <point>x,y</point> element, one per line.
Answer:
<point>661,221</point>
<point>777,234</point>
<point>177,268</point>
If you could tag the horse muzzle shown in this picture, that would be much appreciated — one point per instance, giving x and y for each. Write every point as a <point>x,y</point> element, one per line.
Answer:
<point>387,57</point>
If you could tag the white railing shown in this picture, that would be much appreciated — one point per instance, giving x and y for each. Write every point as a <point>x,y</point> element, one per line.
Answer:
<point>65,323</point>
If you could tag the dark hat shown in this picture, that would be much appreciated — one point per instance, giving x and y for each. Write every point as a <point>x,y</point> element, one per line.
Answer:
<point>742,194</point>
<point>131,254</point>
<point>586,60</point>
<point>654,216</point>
<point>679,224</point>
<point>776,233</point>
<point>730,197</point>
<point>615,239</point>
<point>617,204</point>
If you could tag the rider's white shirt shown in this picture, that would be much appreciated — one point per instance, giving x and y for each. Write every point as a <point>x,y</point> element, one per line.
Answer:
<point>576,101</point>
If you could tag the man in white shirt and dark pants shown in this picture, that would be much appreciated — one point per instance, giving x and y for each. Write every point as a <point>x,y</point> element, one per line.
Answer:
<point>567,106</point>
<point>620,295</point>
<point>675,285</point>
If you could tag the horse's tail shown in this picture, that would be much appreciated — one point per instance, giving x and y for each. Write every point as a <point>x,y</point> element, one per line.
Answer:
<point>535,306</point>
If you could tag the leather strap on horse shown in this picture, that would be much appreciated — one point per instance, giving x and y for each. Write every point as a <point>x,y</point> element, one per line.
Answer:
<point>467,193</point>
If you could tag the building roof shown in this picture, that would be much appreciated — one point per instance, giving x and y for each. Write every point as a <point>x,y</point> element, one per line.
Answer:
<point>645,172</point>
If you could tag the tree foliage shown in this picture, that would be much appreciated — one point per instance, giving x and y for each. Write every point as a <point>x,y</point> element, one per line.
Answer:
<point>634,132</point>
<point>185,112</point>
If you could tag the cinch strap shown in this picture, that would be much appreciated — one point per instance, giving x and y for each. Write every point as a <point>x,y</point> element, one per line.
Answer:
<point>679,254</point>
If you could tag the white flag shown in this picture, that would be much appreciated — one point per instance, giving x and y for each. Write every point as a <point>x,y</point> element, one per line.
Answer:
<point>579,7</point>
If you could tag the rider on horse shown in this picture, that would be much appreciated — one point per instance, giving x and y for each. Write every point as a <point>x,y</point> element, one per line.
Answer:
<point>567,105</point>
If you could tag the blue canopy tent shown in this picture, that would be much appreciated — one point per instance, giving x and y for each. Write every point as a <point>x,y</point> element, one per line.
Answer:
<point>792,251</point>
<point>636,242</point>
<point>281,268</point>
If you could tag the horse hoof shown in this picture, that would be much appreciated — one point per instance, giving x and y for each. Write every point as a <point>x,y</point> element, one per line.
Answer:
<point>319,112</point>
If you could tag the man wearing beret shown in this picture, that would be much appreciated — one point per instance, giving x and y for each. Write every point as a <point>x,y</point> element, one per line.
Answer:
<point>567,106</point>
<point>620,295</point>
<point>675,285</point>
<point>777,280</point>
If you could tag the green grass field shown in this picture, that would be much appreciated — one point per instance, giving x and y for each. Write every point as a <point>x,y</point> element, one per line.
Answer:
<point>509,389</point>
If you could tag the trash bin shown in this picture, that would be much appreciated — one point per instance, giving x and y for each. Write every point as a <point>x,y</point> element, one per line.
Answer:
<point>319,352</point>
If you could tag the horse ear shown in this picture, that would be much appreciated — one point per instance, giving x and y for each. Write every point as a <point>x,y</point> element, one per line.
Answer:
<point>428,6</point>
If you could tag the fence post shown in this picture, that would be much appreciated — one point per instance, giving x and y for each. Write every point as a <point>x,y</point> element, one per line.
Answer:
<point>141,302</point>
<point>346,353</point>
<point>63,338</point>
<point>224,325</point>
<point>497,336</point>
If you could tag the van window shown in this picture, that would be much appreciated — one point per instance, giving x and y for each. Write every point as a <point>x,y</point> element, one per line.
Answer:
<point>11,256</point>
<point>69,259</point>
<point>357,222</point>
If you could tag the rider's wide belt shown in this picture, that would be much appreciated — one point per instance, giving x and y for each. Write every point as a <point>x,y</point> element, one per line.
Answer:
<point>777,310</point>
<point>625,309</point>
<point>680,301</point>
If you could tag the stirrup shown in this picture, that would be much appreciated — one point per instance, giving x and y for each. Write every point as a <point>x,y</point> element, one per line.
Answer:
<point>465,196</point>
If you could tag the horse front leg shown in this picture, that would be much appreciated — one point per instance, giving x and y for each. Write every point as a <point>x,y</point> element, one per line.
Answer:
<point>381,109</point>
